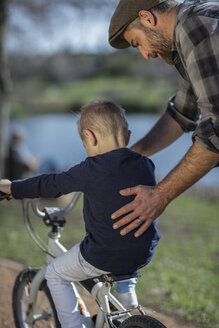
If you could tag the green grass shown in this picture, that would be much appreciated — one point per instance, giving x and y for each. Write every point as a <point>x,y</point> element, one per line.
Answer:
<point>125,90</point>
<point>134,93</point>
<point>182,278</point>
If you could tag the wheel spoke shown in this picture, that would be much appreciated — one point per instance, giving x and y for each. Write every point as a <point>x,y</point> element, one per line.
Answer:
<point>44,315</point>
<point>27,290</point>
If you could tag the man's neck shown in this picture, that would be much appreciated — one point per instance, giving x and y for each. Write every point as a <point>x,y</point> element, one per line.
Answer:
<point>166,22</point>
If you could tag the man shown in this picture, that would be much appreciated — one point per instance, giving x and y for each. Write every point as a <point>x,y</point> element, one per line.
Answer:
<point>185,35</point>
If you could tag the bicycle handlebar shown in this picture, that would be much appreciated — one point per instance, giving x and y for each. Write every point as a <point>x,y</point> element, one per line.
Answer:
<point>52,216</point>
<point>66,209</point>
<point>36,210</point>
<point>35,207</point>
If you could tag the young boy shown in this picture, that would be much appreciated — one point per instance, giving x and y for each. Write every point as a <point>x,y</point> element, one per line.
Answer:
<point>108,168</point>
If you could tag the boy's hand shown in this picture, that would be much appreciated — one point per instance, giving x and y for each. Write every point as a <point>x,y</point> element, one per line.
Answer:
<point>5,186</point>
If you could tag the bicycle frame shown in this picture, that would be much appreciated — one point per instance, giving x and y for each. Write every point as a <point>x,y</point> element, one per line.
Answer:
<point>100,290</point>
<point>55,248</point>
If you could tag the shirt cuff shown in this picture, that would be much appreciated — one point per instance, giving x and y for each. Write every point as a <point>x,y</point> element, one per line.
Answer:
<point>185,123</point>
<point>206,135</point>
<point>15,190</point>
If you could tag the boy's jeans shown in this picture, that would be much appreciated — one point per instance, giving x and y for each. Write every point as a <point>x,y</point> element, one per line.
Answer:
<point>68,267</point>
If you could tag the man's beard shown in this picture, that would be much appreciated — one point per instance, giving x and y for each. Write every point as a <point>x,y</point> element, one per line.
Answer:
<point>160,44</point>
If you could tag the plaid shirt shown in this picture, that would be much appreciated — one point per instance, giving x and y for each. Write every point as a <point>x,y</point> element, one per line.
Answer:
<point>195,53</point>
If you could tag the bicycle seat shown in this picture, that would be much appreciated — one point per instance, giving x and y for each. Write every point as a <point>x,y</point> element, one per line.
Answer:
<point>110,278</point>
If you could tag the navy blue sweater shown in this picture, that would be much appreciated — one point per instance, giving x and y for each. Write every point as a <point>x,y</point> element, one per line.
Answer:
<point>101,178</point>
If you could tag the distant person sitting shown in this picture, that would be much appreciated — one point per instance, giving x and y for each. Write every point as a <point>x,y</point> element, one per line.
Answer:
<point>20,160</point>
<point>109,167</point>
<point>21,163</point>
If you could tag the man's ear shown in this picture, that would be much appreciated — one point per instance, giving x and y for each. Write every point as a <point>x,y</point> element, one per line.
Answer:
<point>90,137</point>
<point>128,137</point>
<point>147,18</point>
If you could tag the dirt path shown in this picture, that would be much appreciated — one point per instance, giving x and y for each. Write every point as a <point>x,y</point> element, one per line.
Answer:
<point>8,272</point>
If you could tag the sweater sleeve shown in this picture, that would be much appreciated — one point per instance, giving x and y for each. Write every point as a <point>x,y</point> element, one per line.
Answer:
<point>51,185</point>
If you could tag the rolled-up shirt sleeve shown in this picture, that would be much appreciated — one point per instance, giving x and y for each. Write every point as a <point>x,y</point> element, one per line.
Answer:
<point>51,185</point>
<point>207,134</point>
<point>182,107</point>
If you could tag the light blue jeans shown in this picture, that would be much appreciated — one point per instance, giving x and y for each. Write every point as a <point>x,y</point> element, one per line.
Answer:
<point>67,268</point>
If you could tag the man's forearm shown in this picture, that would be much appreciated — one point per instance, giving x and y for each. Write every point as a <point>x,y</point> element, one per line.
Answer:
<point>197,162</point>
<point>164,133</point>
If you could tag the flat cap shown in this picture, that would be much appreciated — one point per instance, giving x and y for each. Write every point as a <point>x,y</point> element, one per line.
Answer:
<point>125,13</point>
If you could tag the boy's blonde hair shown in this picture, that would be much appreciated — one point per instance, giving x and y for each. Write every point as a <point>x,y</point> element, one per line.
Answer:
<point>103,116</point>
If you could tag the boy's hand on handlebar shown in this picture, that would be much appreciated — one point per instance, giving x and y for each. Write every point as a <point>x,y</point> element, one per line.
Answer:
<point>4,196</point>
<point>5,186</point>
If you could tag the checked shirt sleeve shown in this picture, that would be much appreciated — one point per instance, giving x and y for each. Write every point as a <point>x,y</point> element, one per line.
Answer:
<point>183,108</point>
<point>198,43</point>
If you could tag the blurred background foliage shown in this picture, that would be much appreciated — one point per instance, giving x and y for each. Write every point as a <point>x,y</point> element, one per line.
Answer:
<point>64,82</point>
<point>59,58</point>
<point>55,57</point>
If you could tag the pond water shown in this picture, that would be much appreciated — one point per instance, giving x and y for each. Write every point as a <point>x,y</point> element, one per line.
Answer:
<point>55,137</point>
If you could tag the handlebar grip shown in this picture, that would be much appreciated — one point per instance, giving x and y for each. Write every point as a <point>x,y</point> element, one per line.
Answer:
<point>5,196</point>
<point>36,210</point>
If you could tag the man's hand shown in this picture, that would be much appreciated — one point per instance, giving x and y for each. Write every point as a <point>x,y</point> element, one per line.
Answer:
<point>5,186</point>
<point>150,202</point>
<point>142,211</point>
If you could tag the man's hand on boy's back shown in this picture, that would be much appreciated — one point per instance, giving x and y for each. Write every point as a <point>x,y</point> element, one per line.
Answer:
<point>5,186</point>
<point>141,212</point>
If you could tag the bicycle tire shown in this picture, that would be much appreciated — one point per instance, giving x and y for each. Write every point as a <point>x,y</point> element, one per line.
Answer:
<point>141,321</point>
<point>45,308</point>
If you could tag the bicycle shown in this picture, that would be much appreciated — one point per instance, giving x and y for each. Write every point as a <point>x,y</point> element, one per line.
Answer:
<point>31,299</point>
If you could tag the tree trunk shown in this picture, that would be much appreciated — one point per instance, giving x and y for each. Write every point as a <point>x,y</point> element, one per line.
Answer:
<point>4,87</point>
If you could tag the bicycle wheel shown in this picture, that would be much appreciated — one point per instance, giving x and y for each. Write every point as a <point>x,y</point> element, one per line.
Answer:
<point>141,321</point>
<point>45,315</point>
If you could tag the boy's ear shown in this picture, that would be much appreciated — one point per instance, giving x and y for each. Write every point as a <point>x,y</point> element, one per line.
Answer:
<point>90,137</point>
<point>128,137</point>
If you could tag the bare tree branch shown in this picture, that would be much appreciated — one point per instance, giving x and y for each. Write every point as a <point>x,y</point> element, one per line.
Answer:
<point>4,85</point>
